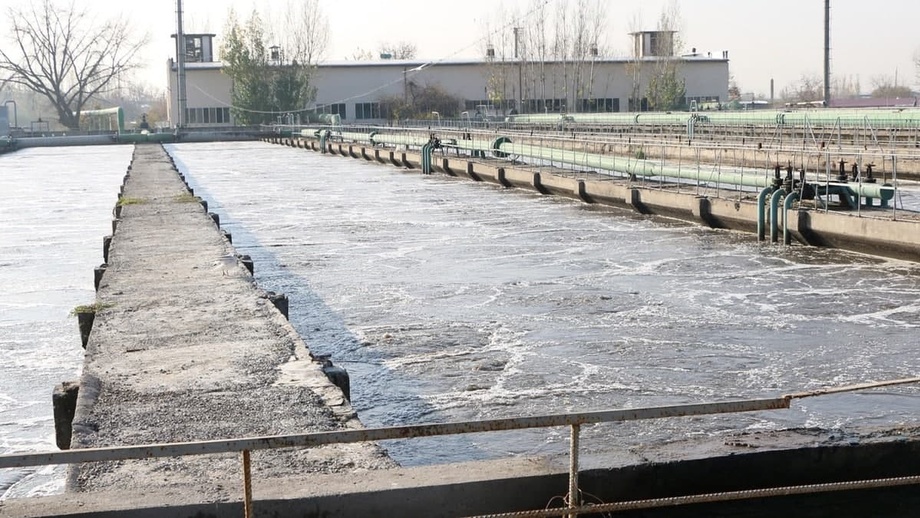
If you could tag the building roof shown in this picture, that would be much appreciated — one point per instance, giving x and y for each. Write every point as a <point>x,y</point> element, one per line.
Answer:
<point>418,63</point>
<point>875,102</point>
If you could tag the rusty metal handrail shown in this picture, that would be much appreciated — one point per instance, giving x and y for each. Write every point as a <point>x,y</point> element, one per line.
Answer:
<point>573,420</point>
<point>148,451</point>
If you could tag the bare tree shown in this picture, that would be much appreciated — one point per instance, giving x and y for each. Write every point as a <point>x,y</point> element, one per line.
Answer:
<point>808,88</point>
<point>845,87</point>
<point>667,88</point>
<point>362,54</point>
<point>61,54</point>
<point>399,50</point>
<point>916,58</point>
<point>556,47</point>
<point>886,87</point>
<point>303,32</point>
<point>634,66</point>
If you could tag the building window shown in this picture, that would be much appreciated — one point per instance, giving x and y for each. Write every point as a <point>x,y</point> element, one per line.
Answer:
<point>335,109</point>
<point>598,105</point>
<point>207,115</point>
<point>544,105</point>
<point>367,111</point>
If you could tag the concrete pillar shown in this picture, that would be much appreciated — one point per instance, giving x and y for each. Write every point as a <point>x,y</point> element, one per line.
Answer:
<point>445,165</point>
<point>538,184</point>
<point>115,225</point>
<point>97,275</point>
<point>215,217</point>
<point>203,203</point>
<point>581,193</point>
<point>85,321</point>
<point>247,262</point>
<point>280,301</point>
<point>500,176</point>
<point>339,377</point>
<point>106,244</point>
<point>227,235</point>
<point>701,211</point>
<point>64,404</point>
<point>470,173</point>
<point>635,201</point>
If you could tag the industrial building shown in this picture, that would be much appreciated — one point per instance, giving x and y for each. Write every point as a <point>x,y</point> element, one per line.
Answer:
<point>354,89</point>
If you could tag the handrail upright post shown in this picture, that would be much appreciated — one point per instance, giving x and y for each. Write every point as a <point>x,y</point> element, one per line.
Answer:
<point>573,470</point>
<point>247,486</point>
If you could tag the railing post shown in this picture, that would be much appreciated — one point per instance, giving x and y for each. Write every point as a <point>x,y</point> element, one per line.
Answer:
<point>573,470</point>
<point>247,486</point>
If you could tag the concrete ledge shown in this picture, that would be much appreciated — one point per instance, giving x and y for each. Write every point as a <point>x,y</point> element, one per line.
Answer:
<point>876,235</point>
<point>558,185</point>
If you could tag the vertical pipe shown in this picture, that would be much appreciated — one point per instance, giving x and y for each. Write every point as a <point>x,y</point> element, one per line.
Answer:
<point>774,214</point>
<point>761,216</point>
<point>573,469</point>
<point>827,53</point>
<point>247,485</point>
<point>787,206</point>
<point>181,99</point>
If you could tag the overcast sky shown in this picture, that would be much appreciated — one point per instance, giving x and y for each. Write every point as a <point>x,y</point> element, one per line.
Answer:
<point>779,39</point>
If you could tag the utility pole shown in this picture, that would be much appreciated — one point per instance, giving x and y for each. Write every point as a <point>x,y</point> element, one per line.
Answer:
<point>181,97</point>
<point>517,31</point>
<point>827,53</point>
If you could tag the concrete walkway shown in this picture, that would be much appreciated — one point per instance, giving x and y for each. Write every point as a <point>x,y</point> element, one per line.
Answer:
<point>186,347</point>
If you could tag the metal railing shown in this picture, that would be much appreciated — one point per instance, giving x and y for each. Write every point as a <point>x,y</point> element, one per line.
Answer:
<point>572,420</point>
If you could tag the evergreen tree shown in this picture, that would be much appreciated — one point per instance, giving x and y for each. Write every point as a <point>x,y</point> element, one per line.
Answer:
<point>264,84</point>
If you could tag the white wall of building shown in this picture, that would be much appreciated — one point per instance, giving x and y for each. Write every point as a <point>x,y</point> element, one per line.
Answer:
<point>367,82</point>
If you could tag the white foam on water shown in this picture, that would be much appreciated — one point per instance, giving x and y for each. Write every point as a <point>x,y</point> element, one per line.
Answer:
<point>502,302</point>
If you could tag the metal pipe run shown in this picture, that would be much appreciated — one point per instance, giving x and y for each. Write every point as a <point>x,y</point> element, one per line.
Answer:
<point>787,206</point>
<point>774,214</point>
<point>502,147</point>
<point>761,213</point>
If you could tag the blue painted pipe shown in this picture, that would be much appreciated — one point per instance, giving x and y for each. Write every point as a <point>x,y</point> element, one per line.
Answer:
<point>787,206</point>
<point>761,216</point>
<point>774,214</point>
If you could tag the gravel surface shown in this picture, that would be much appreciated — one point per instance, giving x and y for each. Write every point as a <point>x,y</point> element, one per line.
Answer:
<point>186,347</point>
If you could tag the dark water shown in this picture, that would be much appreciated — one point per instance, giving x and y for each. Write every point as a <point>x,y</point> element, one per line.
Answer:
<point>450,300</point>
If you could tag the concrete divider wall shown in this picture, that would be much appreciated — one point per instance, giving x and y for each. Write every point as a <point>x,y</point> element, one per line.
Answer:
<point>185,347</point>
<point>875,235</point>
<point>898,238</point>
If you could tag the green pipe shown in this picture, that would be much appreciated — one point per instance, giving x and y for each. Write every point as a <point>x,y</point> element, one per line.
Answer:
<point>323,140</point>
<point>633,167</point>
<point>787,206</point>
<point>426,158</point>
<point>503,146</point>
<point>397,140</point>
<point>650,168</point>
<point>356,137</point>
<point>774,214</point>
<point>761,213</point>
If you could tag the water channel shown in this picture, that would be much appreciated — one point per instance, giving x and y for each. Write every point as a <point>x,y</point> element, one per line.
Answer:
<point>452,300</point>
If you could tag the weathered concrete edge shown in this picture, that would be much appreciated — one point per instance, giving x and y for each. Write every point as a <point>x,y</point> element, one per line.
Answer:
<point>876,236</point>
